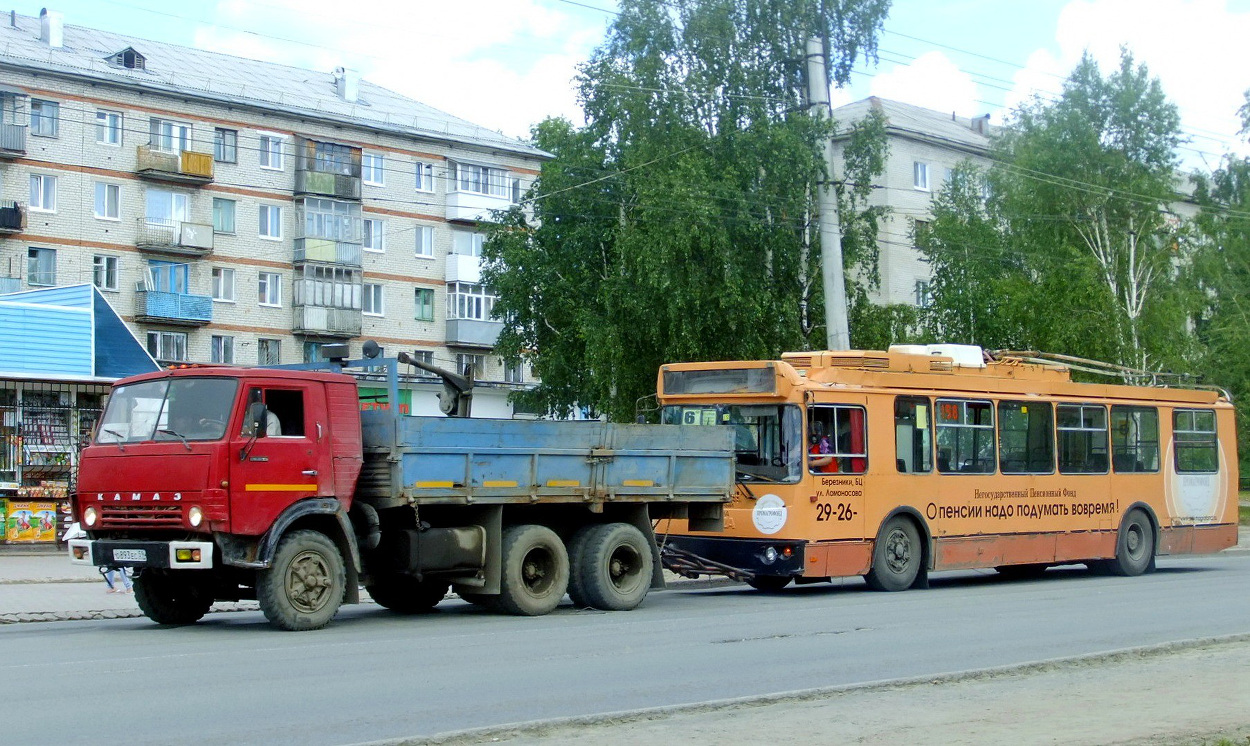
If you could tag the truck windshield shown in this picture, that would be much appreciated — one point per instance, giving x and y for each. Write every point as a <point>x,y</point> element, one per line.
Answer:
<point>168,409</point>
<point>767,438</point>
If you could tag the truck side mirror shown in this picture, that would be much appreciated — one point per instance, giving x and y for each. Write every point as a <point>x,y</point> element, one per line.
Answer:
<point>256,417</point>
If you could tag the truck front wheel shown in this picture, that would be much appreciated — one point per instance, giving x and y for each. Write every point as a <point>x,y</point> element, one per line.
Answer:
<point>405,594</point>
<point>173,597</point>
<point>304,586</point>
<point>535,570</point>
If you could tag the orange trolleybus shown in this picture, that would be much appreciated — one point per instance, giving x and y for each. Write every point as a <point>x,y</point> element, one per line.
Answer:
<point>894,464</point>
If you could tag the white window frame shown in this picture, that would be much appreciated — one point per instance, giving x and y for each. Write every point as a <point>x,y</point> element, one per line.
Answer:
<point>46,191</point>
<point>164,340</point>
<point>475,243</point>
<point>374,235</point>
<point>178,135</point>
<point>274,213</point>
<point>425,176</point>
<point>53,115</point>
<point>103,188</point>
<point>269,289</point>
<point>272,146</point>
<point>475,178</point>
<point>920,175</point>
<point>108,128</point>
<point>377,170</point>
<point>514,372</point>
<point>50,279</point>
<point>223,281</point>
<point>262,344</point>
<point>466,300</point>
<point>106,267</point>
<point>425,241</point>
<point>234,216</point>
<point>178,205</point>
<point>221,349</point>
<point>373,291</point>
<point>477,359</point>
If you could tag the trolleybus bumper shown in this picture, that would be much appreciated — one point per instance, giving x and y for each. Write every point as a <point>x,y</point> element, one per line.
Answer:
<point>177,555</point>
<point>740,559</point>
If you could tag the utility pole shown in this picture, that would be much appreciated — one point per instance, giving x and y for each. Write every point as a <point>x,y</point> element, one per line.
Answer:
<point>837,330</point>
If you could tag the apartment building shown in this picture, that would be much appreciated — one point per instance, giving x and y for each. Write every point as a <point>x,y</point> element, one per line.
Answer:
<point>243,212</point>
<point>924,147</point>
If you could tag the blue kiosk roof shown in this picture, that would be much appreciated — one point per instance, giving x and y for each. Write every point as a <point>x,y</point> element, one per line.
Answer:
<point>67,333</point>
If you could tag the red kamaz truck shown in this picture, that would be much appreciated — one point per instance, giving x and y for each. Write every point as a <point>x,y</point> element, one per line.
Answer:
<point>273,484</point>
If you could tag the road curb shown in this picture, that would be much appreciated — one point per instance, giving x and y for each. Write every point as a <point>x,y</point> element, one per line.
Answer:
<point>78,616</point>
<point>549,728</point>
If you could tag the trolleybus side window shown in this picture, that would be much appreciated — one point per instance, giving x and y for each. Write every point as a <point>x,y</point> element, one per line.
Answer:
<point>836,439</point>
<point>913,435</point>
<point>768,439</point>
<point>1193,438</point>
<point>1134,439</point>
<point>1026,442</point>
<point>1082,438</point>
<point>965,436</point>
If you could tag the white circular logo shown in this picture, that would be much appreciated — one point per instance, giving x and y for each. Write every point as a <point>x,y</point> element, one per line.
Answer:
<point>769,514</point>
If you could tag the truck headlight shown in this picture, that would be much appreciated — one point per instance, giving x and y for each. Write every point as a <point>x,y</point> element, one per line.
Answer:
<point>90,516</point>
<point>195,516</point>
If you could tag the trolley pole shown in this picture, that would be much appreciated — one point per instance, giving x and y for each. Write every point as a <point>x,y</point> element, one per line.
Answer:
<point>834,284</point>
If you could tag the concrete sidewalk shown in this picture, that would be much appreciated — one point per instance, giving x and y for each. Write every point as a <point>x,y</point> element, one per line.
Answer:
<point>42,586</point>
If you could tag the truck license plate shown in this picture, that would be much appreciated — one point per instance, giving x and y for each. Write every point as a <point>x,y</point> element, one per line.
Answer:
<point>130,555</point>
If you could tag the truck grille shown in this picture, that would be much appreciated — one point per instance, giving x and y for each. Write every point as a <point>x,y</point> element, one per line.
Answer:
<point>142,516</point>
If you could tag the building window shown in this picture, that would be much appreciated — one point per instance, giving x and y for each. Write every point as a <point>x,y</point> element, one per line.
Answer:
<point>469,301</point>
<point>104,272</point>
<point>223,284</point>
<point>425,240</point>
<point>40,266</point>
<point>223,215</point>
<point>920,233</point>
<point>467,177</point>
<point>108,199</point>
<point>426,357</point>
<point>375,231</point>
<point>327,218</point>
<point>167,277</point>
<point>331,286</point>
<point>920,175</point>
<point>45,118</point>
<point>225,145</point>
<point>271,152</point>
<point>924,296</point>
<point>168,346</point>
<point>425,304</point>
<point>164,207</point>
<point>269,290</point>
<point>43,193</point>
<point>513,372</point>
<point>372,169</point>
<point>108,128</point>
<point>465,243</point>
<point>270,221</point>
<point>268,351</point>
<point>373,300</point>
<point>477,362</point>
<point>167,136</point>
<point>425,177</point>
<point>223,350</point>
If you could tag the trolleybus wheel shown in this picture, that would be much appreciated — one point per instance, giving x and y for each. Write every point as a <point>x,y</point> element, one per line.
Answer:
<point>303,588</point>
<point>614,567</point>
<point>405,594</point>
<point>769,583</point>
<point>896,556</point>
<point>1134,547</point>
<point>535,570</point>
<point>168,598</point>
<point>577,551</point>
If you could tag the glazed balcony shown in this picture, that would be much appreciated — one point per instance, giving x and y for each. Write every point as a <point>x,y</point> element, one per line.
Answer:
<point>327,169</point>
<point>12,140</point>
<point>174,237</point>
<point>189,167</point>
<point>162,307</point>
<point>323,321</point>
<point>12,217</point>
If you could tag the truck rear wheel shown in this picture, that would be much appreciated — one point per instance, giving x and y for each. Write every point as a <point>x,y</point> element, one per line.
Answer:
<point>535,570</point>
<point>615,567</point>
<point>304,586</point>
<point>577,550</point>
<point>175,598</point>
<point>405,594</point>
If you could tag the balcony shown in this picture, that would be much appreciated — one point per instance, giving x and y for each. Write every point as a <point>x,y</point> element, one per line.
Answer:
<point>463,268</point>
<point>10,284</point>
<point>182,167</point>
<point>174,237</point>
<point>473,333</point>
<point>162,307</point>
<point>326,184</point>
<point>473,206</point>
<point>329,251</point>
<point>12,217</point>
<point>12,140</point>
<point>322,321</point>
<point>327,169</point>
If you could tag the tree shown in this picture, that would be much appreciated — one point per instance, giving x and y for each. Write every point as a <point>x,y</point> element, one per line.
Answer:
<point>677,224</point>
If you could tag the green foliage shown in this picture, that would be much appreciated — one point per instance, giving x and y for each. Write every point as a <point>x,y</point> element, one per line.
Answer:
<point>677,224</point>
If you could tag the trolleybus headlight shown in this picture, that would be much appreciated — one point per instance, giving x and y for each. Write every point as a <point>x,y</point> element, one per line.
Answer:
<point>195,516</point>
<point>89,516</point>
<point>770,555</point>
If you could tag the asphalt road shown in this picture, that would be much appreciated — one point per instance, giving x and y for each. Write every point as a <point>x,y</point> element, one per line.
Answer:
<point>373,675</point>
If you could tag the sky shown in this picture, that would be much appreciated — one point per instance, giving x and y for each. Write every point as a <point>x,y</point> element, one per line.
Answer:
<point>508,64</point>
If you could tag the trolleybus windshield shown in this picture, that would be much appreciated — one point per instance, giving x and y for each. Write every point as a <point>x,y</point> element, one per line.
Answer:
<point>768,439</point>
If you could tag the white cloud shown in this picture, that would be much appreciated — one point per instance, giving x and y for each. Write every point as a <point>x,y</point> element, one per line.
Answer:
<point>931,81</point>
<point>503,64</point>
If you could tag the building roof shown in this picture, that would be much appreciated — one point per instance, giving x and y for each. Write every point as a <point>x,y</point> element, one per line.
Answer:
<point>169,68</point>
<point>919,123</point>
